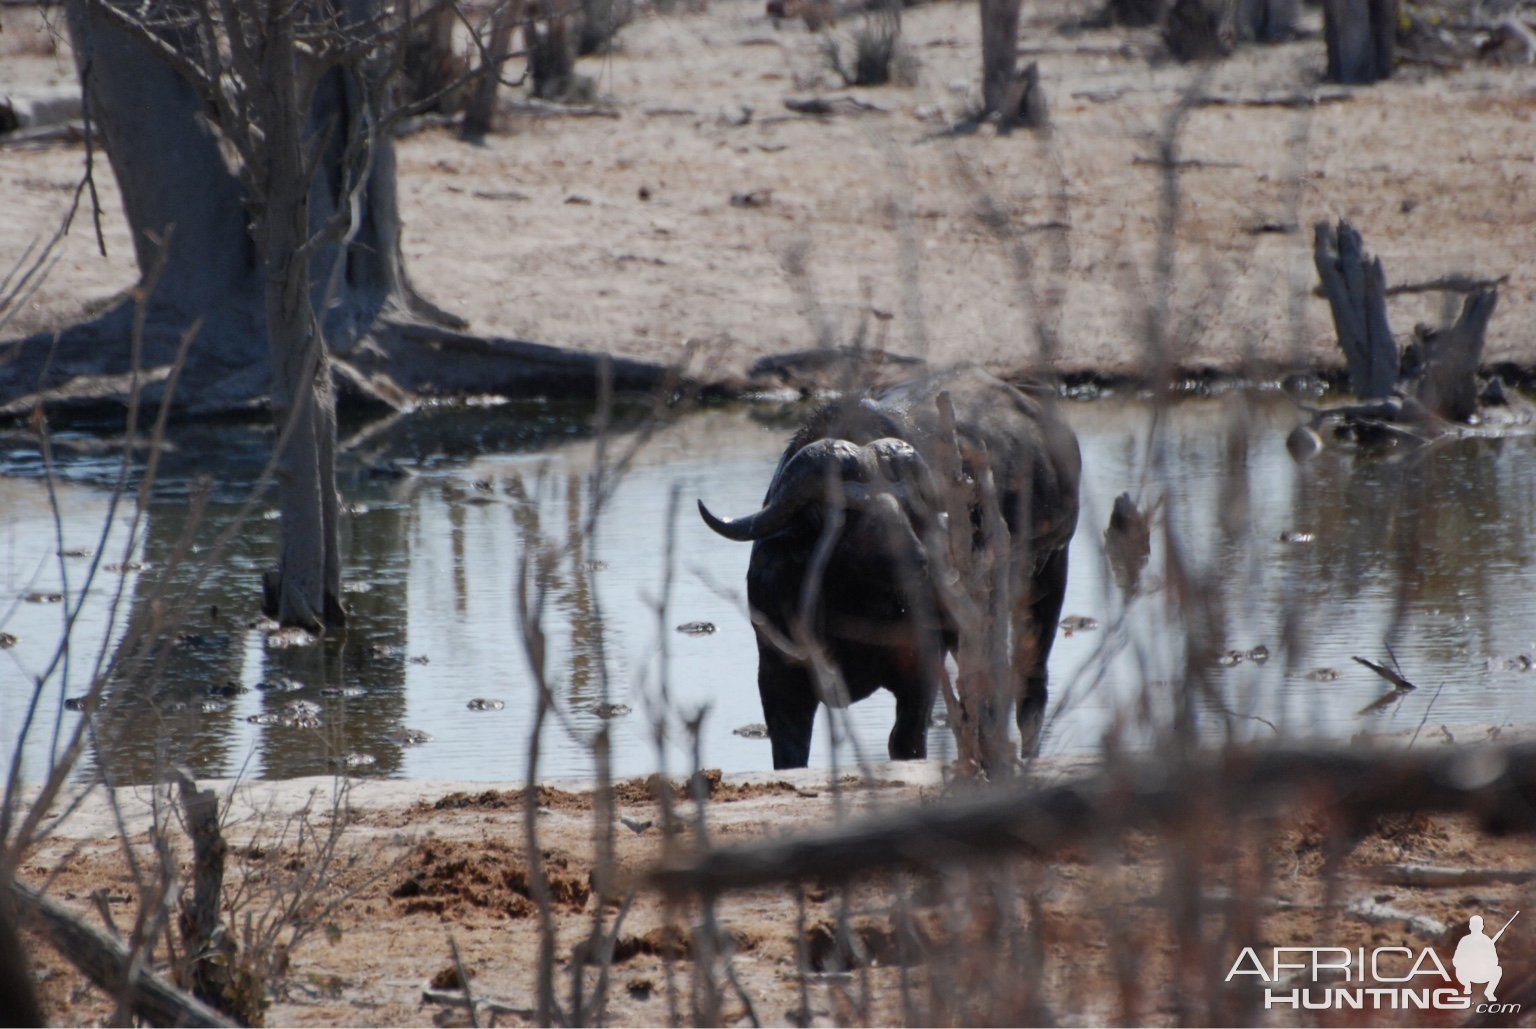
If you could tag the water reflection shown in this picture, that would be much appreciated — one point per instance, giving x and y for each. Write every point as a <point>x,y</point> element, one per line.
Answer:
<point>1421,553</point>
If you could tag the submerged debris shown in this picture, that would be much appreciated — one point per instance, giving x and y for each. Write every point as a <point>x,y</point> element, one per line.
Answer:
<point>290,636</point>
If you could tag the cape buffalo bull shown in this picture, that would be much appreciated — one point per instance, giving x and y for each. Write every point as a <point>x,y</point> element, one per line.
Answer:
<point>858,497</point>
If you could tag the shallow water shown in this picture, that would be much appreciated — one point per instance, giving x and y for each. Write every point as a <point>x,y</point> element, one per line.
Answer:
<point>432,558</point>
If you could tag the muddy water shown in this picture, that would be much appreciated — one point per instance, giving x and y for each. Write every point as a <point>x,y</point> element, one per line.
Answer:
<point>1423,556</point>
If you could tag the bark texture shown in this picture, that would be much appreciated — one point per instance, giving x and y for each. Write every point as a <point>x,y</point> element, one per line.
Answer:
<point>1361,38</point>
<point>1356,288</point>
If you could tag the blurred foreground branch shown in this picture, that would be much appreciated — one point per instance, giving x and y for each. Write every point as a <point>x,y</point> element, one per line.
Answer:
<point>1498,785</point>
<point>106,963</point>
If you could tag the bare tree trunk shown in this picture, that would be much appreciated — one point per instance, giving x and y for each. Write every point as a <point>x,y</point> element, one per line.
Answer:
<point>482,104</point>
<point>308,586</point>
<point>1361,36</point>
<point>999,53</point>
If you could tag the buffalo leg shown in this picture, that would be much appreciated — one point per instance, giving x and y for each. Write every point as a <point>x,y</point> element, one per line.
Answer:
<point>789,707</point>
<point>1030,659</point>
<point>914,706</point>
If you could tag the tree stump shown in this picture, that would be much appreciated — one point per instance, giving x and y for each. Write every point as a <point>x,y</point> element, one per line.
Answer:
<point>1024,106</point>
<point>1267,21</point>
<point>1452,357</point>
<point>1357,292</point>
<point>1197,30</point>
<point>1361,36</point>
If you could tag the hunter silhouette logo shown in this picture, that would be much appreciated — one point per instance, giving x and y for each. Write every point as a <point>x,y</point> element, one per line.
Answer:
<point>1477,960</point>
<point>1393,978</point>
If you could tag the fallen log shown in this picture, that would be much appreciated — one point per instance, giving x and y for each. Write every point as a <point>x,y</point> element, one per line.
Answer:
<point>1496,784</point>
<point>105,962</point>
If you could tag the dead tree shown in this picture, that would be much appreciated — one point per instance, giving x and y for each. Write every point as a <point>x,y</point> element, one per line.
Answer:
<point>482,101</point>
<point>1197,30</point>
<point>1452,356</point>
<point>1442,363</point>
<point>1361,37</point>
<point>1356,289</point>
<point>999,53</point>
<point>1267,21</point>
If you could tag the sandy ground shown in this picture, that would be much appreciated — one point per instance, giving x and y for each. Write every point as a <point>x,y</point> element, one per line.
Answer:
<point>620,234</point>
<point>422,864</point>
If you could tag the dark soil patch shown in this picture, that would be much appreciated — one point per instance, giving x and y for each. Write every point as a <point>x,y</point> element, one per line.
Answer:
<point>454,877</point>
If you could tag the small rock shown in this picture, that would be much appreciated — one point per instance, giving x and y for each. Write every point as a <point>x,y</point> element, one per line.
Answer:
<point>44,598</point>
<point>342,692</point>
<point>1258,655</point>
<point>485,704</point>
<point>696,628</point>
<point>7,641</point>
<point>264,718</point>
<point>1229,659</point>
<point>1078,623</point>
<point>356,759</point>
<point>74,703</point>
<point>408,737</point>
<point>1297,537</point>
<point>751,731</point>
<point>1323,675</point>
<point>610,710</point>
<point>634,825</point>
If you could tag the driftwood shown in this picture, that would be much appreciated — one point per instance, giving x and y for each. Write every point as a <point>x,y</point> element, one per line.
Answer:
<point>105,962</point>
<point>1356,289</point>
<point>1497,784</point>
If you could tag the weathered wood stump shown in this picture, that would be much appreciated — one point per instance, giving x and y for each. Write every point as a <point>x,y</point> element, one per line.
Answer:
<point>1198,30</point>
<point>1356,288</point>
<point>1361,36</point>
<point>1452,357</point>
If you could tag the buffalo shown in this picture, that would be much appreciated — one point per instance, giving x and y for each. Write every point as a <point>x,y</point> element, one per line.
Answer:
<point>846,549</point>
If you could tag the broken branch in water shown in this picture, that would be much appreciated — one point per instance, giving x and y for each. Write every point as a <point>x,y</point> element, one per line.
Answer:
<point>1397,681</point>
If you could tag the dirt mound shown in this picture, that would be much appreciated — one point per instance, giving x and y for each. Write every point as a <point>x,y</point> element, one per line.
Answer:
<point>451,878</point>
